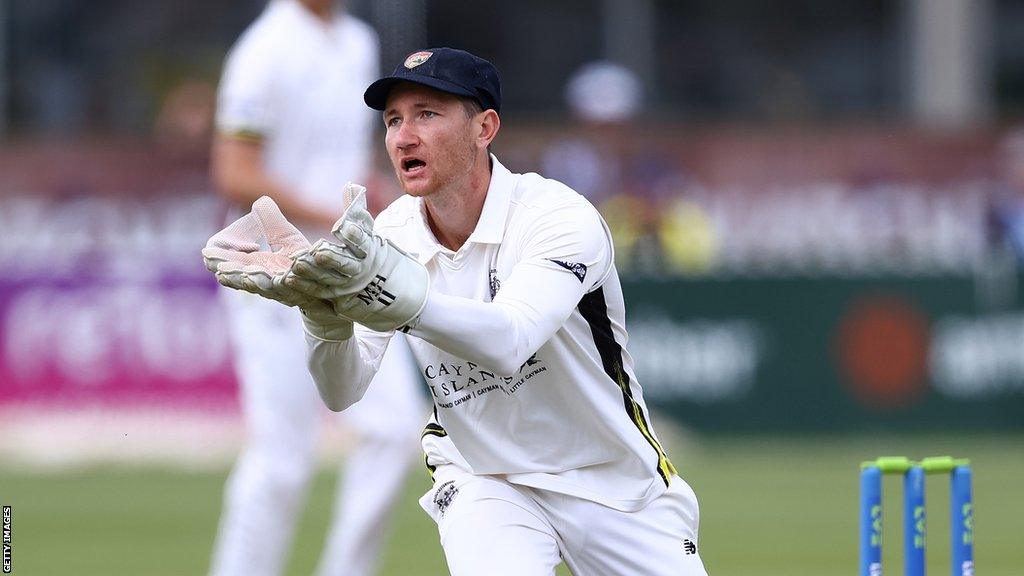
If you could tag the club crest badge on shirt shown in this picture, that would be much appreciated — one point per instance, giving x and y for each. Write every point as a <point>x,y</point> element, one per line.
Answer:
<point>493,282</point>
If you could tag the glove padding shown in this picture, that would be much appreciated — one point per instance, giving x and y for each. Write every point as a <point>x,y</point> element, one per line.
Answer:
<point>366,278</point>
<point>239,258</point>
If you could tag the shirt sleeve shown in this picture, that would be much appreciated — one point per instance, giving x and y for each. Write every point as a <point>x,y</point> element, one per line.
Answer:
<point>245,98</point>
<point>342,370</point>
<point>563,254</point>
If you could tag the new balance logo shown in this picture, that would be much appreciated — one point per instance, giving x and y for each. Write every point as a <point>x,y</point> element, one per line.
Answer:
<point>689,547</point>
<point>578,270</point>
<point>375,292</point>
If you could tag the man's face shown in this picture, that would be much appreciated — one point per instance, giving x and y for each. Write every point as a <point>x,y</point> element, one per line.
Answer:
<point>320,6</point>
<point>429,139</point>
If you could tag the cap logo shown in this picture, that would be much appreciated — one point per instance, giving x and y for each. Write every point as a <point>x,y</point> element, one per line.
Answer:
<point>416,59</point>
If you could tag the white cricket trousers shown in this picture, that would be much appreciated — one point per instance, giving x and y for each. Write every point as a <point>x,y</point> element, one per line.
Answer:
<point>263,497</point>
<point>490,526</point>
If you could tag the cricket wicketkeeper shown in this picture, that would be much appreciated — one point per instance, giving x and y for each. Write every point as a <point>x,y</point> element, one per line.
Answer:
<point>540,443</point>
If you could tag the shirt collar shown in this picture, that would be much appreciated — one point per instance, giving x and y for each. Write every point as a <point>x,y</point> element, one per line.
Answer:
<point>490,228</point>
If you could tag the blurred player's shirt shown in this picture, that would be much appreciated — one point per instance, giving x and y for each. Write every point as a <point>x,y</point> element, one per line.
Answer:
<point>295,82</point>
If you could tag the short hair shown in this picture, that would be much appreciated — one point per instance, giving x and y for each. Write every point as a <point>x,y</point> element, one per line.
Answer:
<point>471,106</point>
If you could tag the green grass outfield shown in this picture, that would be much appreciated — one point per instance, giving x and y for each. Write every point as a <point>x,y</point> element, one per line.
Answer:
<point>769,506</point>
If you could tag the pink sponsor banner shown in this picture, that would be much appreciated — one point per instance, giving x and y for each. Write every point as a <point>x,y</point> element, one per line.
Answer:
<point>104,300</point>
<point>97,343</point>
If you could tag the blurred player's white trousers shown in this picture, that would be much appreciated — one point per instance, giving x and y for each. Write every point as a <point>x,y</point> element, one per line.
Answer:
<point>264,495</point>
<point>489,526</point>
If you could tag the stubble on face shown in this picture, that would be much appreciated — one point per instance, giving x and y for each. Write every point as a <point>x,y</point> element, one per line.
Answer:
<point>459,157</point>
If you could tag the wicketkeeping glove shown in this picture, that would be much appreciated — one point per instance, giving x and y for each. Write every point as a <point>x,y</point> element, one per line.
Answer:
<point>254,252</point>
<point>367,278</point>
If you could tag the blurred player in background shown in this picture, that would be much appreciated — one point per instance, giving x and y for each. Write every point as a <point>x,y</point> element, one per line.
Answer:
<point>292,125</point>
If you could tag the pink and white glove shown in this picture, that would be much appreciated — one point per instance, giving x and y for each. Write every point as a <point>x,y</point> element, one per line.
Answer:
<point>253,254</point>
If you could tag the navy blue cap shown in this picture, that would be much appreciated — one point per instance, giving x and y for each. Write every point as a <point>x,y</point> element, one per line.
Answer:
<point>446,69</point>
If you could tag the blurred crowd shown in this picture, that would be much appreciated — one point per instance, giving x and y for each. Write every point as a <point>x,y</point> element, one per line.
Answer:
<point>678,200</point>
<point>935,207</point>
<point>638,188</point>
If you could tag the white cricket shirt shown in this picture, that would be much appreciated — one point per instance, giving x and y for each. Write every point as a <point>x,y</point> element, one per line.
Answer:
<point>295,83</point>
<point>522,345</point>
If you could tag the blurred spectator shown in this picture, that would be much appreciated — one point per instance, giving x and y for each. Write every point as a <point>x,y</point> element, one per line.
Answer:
<point>186,116</point>
<point>604,99</point>
<point>634,184</point>
<point>181,135</point>
<point>687,236</point>
<point>632,222</point>
<point>604,93</point>
<point>1006,208</point>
